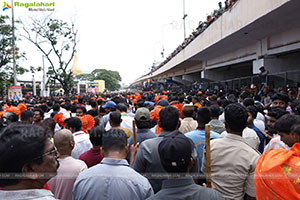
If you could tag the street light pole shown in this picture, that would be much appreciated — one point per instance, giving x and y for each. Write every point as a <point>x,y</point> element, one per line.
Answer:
<point>13,43</point>
<point>184,16</point>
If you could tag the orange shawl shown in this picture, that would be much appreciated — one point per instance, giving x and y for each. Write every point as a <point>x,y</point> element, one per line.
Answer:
<point>277,174</point>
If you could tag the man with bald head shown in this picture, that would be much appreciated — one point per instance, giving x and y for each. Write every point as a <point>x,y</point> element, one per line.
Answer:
<point>62,184</point>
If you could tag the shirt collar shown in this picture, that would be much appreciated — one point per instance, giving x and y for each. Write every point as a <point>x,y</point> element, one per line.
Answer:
<point>171,183</point>
<point>112,161</point>
<point>145,130</point>
<point>235,137</point>
<point>165,133</point>
<point>188,119</point>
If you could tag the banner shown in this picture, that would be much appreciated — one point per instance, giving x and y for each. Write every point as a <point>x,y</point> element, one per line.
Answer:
<point>15,92</point>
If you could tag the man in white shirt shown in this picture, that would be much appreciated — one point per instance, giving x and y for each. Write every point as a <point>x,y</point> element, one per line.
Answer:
<point>232,160</point>
<point>82,140</point>
<point>126,119</point>
<point>188,124</point>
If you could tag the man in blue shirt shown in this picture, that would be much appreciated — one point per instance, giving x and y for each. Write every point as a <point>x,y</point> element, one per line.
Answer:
<point>198,135</point>
<point>112,178</point>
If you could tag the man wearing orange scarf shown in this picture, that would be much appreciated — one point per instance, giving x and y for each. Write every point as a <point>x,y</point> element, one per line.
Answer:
<point>277,171</point>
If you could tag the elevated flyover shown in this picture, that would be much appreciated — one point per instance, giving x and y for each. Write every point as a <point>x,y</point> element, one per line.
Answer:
<point>253,33</point>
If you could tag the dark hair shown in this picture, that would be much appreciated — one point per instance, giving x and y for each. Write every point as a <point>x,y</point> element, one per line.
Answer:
<point>73,108</point>
<point>296,129</point>
<point>215,111</point>
<point>81,108</point>
<point>56,107</point>
<point>43,107</point>
<point>295,105</point>
<point>188,112</point>
<point>93,103</point>
<point>236,117</point>
<point>115,117</point>
<point>140,103</point>
<point>252,110</point>
<point>244,95</point>
<point>20,144</point>
<point>203,115</point>
<point>259,107</point>
<point>276,112</point>
<point>48,124</point>
<point>114,140</point>
<point>8,118</point>
<point>26,114</point>
<point>74,122</point>
<point>169,117</point>
<point>248,102</point>
<point>40,111</point>
<point>281,97</point>
<point>143,124</point>
<point>284,123</point>
<point>121,107</point>
<point>96,135</point>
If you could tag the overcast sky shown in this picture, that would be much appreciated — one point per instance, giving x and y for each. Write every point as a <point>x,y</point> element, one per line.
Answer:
<point>122,35</point>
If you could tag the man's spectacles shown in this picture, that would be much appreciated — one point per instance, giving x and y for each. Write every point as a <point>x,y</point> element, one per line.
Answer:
<point>52,152</point>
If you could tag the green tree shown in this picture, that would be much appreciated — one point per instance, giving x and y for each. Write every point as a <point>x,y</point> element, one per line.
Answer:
<point>57,40</point>
<point>110,77</point>
<point>6,55</point>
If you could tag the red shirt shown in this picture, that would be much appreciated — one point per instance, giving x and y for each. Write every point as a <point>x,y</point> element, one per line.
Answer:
<point>91,157</point>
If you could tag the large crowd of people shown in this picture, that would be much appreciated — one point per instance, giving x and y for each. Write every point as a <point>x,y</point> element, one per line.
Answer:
<point>151,145</point>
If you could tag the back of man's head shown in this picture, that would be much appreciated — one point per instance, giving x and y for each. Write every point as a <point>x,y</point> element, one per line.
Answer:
<point>236,117</point>
<point>252,110</point>
<point>188,110</point>
<point>20,144</point>
<point>168,118</point>
<point>115,118</point>
<point>175,153</point>
<point>276,112</point>
<point>215,111</point>
<point>114,140</point>
<point>121,107</point>
<point>203,116</point>
<point>56,107</point>
<point>74,123</point>
<point>248,102</point>
<point>96,134</point>
<point>142,118</point>
<point>284,123</point>
<point>62,140</point>
<point>26,116</point>
<point>49,124</point>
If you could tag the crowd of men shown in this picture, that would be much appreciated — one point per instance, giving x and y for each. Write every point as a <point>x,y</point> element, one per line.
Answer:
<point>148,145</point>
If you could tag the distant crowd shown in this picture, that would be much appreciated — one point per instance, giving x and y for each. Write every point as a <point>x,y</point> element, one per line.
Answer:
<point>151,145</point>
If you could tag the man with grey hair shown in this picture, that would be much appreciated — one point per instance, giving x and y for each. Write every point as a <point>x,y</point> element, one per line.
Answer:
<point>62,184</point>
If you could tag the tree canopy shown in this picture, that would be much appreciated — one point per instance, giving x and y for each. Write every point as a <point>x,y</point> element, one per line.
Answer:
<point>57,40</point>
<point>6,54</point>
<point>110,77</point>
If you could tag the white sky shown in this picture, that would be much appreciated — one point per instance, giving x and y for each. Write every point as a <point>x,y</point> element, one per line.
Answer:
<point>121,35</point>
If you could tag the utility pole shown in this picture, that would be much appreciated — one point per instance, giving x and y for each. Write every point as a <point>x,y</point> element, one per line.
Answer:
<point>184,16</point>
<point>13,43</point>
